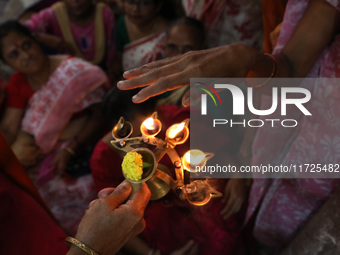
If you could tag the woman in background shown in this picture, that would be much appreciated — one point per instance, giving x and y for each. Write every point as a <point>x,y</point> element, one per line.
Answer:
<point>52,112</point>
<point>141,31</point>
<point>82,28</point>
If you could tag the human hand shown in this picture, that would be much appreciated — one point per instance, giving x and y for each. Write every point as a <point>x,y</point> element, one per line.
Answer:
<point>28,155</point>
<point>234,195</point>
<point>233,60</point>
<point>109,222</point>
<point>26,151</point>
<point>61,161</point>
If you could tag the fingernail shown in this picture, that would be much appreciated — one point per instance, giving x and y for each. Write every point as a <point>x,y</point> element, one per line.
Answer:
<point>119,84</point>
<point>135,98</point>
<point>186,101</point>
<point>92,202</point>
<point>124,185</point>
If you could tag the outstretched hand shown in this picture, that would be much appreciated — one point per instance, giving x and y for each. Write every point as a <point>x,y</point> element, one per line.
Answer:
<point>158,77</point>
<point>109,222</point>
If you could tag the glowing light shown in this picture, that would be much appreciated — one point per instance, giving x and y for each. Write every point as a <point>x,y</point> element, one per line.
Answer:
<point>175,130</point>
<point>150,124</point>
<point>194,160</point>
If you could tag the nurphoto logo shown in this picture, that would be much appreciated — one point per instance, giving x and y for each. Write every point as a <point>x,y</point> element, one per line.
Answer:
<point>239,102</point>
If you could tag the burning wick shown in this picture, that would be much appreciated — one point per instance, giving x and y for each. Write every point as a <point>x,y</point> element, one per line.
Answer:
<point>151,125</point>
<point>176,131</point>
<point>194,160</point>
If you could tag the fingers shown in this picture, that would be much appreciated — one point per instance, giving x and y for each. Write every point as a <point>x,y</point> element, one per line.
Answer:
<point>159,87</point>
<point>148,67</point>
<point>162,85</point>
<point>192,95</point>
<point>92,202</point>
<point>105,192</point>
<point>119,195</point>
<point>141,198</point>
<point>149,75</point>
<point>186,99</point>
<point>101,194</point>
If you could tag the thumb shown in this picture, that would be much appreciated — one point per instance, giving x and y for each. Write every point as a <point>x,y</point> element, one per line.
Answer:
<point>119,195</point>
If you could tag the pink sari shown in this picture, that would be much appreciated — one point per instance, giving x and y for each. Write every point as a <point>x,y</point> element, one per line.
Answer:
<point>73,87</point>
<point>286,205</point>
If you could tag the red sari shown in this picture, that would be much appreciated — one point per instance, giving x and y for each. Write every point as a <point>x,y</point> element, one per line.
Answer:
<point>26,226</point>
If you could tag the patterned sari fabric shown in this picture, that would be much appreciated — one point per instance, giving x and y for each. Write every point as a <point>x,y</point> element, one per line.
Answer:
<point>287,204</point>
<point>73,87</point>
<point>228,21</point>
<point>143,51</point>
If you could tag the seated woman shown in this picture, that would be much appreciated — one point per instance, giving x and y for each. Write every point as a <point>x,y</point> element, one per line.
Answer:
<point>170,222</point>
<point>140,32</point>
<point>83,28</point>
<point>52,112</point>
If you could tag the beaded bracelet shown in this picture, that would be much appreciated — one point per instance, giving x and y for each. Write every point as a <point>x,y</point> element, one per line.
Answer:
<point>81,245</point>
<point>273,73</point>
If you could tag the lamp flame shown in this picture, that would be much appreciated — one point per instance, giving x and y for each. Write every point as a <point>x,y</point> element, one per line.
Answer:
<point>175,130</point>
<point>194,159</point>
<point>150,124</point>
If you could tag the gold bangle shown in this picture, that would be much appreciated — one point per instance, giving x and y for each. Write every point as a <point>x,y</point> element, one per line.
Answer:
<point>273,73</point>
<point>81,245</point>
<point>70,150</point>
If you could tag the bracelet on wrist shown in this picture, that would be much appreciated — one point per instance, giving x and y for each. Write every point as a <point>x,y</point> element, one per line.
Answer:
<point>273,74</point>
<point>81,245</point>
